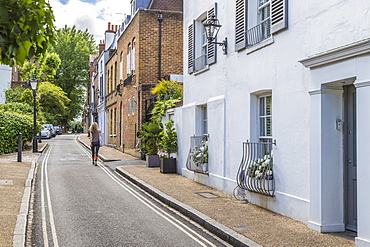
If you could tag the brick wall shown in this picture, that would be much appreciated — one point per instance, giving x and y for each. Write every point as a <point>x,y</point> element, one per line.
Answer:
<point>144,29</point>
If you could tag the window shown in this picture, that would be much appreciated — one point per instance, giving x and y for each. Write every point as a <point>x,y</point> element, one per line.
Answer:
<point>265,118</point>
<point>133,106</point>
<point>257,20</point>
<point>200,52</point>
<point>133,56</point>
<point>128,60</point>
<point>128,107</point>
<point>121,67</point>
<point>204,120</point>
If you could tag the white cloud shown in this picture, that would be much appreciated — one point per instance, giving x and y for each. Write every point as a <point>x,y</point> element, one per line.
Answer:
<point>94,16</point>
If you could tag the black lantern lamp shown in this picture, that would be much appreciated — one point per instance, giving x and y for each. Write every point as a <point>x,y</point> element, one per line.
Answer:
<point>34,83</point>
<point>212,27</point>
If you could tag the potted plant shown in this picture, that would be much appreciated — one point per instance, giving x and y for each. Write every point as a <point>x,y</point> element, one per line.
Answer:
<point>199,155</point>
<point>169,145</point>
<point>151,136</point>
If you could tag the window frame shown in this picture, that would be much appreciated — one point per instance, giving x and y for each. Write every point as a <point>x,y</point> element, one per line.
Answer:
<point>262,115</point>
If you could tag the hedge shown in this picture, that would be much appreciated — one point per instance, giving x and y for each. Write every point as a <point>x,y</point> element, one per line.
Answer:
<point>11,124</point>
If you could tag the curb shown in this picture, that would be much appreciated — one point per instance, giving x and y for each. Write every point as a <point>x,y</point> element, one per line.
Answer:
<point>19,238</point>
<point>223,232</point>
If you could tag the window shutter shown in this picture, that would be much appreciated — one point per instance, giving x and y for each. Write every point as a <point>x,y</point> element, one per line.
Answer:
<point>191,47</point>
<point>241,24</point>
<point>211,48</point>
<point>279,15</point>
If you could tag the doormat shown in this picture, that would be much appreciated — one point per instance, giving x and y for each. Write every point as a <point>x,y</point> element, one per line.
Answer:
<point>208,195</point>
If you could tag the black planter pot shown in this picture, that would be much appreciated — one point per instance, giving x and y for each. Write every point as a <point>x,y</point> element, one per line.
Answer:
<point>168,165</point>
<point>153,160</point>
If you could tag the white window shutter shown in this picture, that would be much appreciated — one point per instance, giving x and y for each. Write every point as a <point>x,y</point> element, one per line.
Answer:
<point>211,48</point>
<point>279,15</point>
<point>191,47</point>
<point>241,24</point>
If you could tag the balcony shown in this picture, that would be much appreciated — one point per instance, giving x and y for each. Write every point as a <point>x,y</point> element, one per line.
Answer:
<point>259,33</point>
<point>198,155</point>
<point>128,80</point>
<point>255,172</point>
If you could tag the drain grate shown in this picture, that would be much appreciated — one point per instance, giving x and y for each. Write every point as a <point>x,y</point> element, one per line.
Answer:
<point>207,195</point>
<point>242,228</point>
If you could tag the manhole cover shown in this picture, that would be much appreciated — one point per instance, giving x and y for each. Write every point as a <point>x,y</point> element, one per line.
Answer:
<point>6,182</point>
<point>242,228</point>
<point>207,195</point>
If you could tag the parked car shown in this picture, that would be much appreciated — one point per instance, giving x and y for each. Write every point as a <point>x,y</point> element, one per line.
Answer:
<point>58,130</point>
<point>45,132</point>
<point>50,127</point>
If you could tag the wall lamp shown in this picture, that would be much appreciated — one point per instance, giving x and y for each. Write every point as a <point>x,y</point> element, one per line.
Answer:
<point>212,27</point>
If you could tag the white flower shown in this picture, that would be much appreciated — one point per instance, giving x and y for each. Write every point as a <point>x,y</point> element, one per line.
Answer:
<point>269,172</point>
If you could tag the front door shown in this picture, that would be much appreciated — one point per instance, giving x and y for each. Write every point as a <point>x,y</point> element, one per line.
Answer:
<point>350,160</point>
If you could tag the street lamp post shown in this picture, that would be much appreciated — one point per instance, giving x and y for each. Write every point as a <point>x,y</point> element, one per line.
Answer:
<point>33,83</point>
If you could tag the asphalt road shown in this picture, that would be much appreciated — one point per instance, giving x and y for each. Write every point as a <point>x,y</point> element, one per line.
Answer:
<point>78,204</point>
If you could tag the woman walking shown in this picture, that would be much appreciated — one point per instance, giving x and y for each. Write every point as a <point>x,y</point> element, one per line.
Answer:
<point>94,142</point>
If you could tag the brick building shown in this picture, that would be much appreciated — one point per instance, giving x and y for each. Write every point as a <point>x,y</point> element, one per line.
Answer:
<point>140,60</point>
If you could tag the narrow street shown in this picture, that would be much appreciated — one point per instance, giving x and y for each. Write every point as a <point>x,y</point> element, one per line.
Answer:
<point>77,204</point>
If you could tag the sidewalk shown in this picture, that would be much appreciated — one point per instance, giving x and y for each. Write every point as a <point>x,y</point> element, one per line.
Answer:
<point>15,191</point>
<point>227,217</point>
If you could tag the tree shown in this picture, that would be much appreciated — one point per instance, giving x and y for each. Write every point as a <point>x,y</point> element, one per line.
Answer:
<point>53,102</point>
<point>43,67</point>
<point>73,47</point>
<point>26,29</point>
<point>168,90</point>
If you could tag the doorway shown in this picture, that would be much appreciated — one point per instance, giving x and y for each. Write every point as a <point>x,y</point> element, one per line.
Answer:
<point>350,157</point>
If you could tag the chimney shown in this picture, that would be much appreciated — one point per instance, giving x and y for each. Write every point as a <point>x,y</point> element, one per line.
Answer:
<point>108,26</point>
<point>101,46</point>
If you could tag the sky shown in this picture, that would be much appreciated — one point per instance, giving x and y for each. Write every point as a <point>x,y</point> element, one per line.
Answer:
<point>93,15</point>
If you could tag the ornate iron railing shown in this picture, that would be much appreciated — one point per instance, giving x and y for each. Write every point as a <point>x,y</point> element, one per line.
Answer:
<point>198,154</point>
<point>259,33</point>
<point>256,168</point>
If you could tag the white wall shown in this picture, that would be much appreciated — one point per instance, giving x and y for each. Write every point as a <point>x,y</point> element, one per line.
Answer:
<point>299,114</point>
<point>5,79</point>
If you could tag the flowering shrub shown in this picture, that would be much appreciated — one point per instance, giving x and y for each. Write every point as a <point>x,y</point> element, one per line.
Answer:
<point>199,155</point>
<point>162,155</point>
<point>261,168</point>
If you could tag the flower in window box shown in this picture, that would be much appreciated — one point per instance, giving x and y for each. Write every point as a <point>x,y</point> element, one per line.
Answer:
<point>199,154</point>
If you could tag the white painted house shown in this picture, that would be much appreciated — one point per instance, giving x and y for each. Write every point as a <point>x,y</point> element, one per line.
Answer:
<point>297,77</point>
<point>5,79</point>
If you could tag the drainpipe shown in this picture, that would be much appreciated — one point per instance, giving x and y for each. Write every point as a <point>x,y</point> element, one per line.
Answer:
<point>160,20</point>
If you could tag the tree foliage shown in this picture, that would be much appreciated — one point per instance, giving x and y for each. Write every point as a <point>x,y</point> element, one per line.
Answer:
<point>168,90</point>
<point>26,29</point>
<point>73,47</point>
<point>53,102</point>
<point>43,67</point>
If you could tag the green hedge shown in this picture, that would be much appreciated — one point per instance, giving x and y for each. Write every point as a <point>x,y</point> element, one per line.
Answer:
<point>11,124</point>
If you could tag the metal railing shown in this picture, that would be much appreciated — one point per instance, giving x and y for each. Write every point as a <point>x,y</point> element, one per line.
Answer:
<point>198,154</point>
<point>200,62</point>
<point>259,33</point>
<point>256,168</point>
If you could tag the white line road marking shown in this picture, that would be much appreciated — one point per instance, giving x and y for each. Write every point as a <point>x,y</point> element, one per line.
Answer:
<point>181,226</point>
<point>44,172</point>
